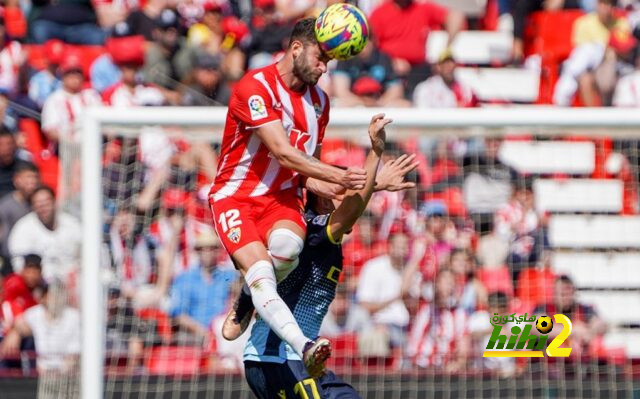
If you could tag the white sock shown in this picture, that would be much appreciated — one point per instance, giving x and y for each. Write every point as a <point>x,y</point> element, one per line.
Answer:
<point>262,283</point>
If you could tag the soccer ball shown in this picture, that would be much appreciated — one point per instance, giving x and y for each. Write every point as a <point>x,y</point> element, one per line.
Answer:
<point>342,31</point>
<point>544,324</point>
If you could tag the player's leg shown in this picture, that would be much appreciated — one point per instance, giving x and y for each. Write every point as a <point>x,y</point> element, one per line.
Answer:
<point>285,242</point>
<point>234,222</point>
<point>267,380</point>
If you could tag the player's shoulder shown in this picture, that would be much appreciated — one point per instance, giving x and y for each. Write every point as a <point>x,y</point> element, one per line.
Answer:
<point>257,78</point>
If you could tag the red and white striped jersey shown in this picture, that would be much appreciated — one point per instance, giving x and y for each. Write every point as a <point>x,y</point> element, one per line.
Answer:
<point>434,335</point>
<point>119,95</point>
<point>246,168</point>
<point>62,111</point>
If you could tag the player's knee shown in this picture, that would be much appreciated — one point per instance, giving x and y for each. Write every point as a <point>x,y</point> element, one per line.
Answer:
<point>284,248</point>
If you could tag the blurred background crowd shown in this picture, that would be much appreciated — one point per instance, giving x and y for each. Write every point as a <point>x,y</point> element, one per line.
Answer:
<point>424,269</point>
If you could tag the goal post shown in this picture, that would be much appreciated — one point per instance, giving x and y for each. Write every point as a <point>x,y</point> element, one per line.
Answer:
<point>351,123</point>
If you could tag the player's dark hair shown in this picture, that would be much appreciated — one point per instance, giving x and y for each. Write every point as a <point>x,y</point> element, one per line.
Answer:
<point>303,31</point>
<point>41,188</point>
<point>34,261</point>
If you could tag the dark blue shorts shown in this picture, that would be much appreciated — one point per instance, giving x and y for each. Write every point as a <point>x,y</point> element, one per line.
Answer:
<point>290,380</point>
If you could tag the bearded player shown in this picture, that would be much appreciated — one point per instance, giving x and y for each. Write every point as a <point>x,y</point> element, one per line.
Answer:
<point>272,369</point>
<point>275,123</point>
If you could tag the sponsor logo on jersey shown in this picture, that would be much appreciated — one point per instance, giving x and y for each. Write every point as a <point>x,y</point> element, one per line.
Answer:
<point>257,107</point>
<point>234,235</point>
<point>320,220</point>
<point>318,110</point>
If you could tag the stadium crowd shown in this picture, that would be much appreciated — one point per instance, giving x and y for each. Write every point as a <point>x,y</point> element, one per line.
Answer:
<point>423,270</point>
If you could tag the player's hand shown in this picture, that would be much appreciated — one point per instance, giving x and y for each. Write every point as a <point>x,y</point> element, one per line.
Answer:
<point>325,189</point>
<point>354,178</point>
<point>391,176</point>
<point>377,133</point>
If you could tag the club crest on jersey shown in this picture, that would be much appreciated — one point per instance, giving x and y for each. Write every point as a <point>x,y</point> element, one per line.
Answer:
<point>234,235</point>
<point>318,110</point>
<point>257,107</point>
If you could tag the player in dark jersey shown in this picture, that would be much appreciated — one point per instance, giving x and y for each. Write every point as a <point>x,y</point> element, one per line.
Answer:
<point>272,368</point>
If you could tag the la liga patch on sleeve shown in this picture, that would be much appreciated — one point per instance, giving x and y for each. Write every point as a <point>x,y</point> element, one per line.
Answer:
<point>257,107</point>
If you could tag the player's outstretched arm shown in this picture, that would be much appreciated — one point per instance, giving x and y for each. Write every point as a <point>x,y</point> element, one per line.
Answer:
<point>355,201</point>
<point>391,176</point>
<point>274,137</point>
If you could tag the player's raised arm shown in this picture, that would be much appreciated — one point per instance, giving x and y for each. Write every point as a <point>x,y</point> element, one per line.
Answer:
<point>355,202</point>
<point>275,138</point>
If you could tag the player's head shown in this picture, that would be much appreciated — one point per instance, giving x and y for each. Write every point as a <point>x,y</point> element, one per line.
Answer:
<point>309,61</point>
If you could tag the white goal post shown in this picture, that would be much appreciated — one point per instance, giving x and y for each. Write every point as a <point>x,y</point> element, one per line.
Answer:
<point>347,122</point>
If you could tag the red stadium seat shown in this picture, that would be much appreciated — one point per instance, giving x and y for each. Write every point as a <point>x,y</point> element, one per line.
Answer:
<point>548,34</point>
<point>175,360</point>
<point>38,146</point>
<point>163,323</point>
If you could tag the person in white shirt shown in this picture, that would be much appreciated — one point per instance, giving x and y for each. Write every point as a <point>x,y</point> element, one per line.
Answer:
<point>62,111</point>
<point>380,288</point>
<point>55,328</point>
<point>443,90</point>
<point>53,235</point>
<point>627,93</point>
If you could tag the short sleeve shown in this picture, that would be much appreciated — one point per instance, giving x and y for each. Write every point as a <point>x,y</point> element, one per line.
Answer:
<point>252,103</point>
<point>436,15</point>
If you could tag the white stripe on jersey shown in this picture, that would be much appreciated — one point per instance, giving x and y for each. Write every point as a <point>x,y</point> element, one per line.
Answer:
<point>287,108</point>
<point>260,78</point>
<point>240,172</point>
<point>267,179</point>
<point>312,121</point>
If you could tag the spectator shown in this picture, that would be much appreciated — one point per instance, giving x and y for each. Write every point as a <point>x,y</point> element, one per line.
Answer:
<point>443,90</point>
<point>206,86</point>
<point>587,325</point>
<point>10,161</point>
<point>439,336</point>
<point>53,235</point>
<point>487,183</point>
<point>62,111</point>
<point>627,92</point>
<point>20,289</point>
<point>103,72</point>
<point>200,294</point>
<point>344,317</point>
<point>127,54</point>
<point>8,115</point>
<point>470,291</point>
<point>590,68</point>
<point>56,329</point>
<point>15,204</point>
<point>368,79</point>
<point>162,62</point>
<point>521,11</point>
<point>405,40</point>
<point>143,21</point>
<point>72,21</point>
<point>45,82</point>
<point>132,254</point>
<point>480,328</point>
<point>518,224</point>
<point>440,230</point>
<point>380,288</point>
<point>12,57</point>
<point>269,34</point>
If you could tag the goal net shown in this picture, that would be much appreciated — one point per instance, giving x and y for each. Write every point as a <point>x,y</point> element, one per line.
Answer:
<point>517,213</point>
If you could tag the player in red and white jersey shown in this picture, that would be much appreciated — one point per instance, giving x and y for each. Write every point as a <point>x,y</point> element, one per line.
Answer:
<point>270,149</point>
